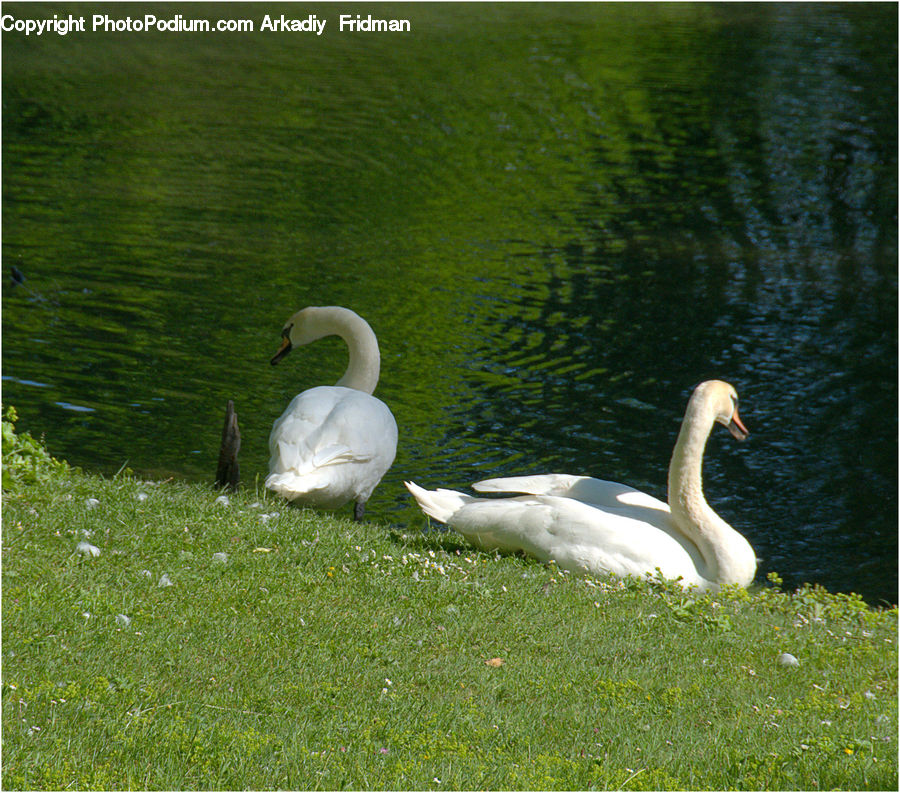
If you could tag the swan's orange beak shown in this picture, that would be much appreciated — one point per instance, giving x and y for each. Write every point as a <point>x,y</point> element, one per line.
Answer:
<point>283,350</point>
<point>735,426</point>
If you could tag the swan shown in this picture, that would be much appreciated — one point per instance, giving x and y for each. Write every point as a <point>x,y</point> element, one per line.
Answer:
<point>599,527</point>
<point>333,443</point>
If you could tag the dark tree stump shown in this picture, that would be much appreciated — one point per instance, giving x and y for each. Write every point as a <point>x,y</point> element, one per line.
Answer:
<point>228,474</point>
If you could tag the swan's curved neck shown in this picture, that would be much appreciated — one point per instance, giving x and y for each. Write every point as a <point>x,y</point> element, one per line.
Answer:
<point>365,360</point>
<point>714,538</point>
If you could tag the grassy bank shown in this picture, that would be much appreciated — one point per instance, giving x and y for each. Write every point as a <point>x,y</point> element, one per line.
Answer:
<point>249,645</point>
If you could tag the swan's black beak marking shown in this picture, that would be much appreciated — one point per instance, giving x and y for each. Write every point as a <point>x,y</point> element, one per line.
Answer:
<point>285,347</point>
<point>735,426</point>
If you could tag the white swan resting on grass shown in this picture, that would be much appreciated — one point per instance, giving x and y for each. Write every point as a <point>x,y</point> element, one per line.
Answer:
<point>333,444</point>
<point>590,525</point>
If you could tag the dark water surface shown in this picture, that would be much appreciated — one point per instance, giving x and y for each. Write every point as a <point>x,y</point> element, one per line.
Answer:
<point>557,218</point>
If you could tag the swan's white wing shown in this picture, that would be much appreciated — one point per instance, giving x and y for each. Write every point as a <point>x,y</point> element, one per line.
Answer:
<point>577,536</point>
<point>597,492</point>
<point>335,454</point>
<point>331,445</point>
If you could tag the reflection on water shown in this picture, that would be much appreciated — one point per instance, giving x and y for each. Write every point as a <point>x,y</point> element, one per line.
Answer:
<point>557,221</point>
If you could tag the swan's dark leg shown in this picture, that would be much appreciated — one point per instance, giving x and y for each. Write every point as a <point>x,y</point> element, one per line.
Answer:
<point>359,509</point>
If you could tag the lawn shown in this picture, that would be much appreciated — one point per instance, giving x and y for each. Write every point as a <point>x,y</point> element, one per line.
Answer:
<point>159,636</point>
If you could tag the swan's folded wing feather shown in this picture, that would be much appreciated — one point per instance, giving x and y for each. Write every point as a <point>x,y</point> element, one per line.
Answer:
<point>337,453</point>
<point>575,535</point>
<point>587,489</point>
<point>507,524</point>
<point>537,485</point>
<point>328,426</point>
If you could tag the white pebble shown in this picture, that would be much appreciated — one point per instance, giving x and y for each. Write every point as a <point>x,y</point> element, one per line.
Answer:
<point>786,659</point>
<point>164,580</point>
<point>220,558</point>
<point>87,549</point>
<point>224,500</point>
<point>122,620</point>
<point>90,503</point>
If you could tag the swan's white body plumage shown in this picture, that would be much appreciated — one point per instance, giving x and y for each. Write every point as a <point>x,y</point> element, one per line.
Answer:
<point>583,524</point>
<point>333,444</point>
<point>598,527</point>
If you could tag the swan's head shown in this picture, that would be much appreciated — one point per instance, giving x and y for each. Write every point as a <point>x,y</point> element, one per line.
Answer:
<point>302,328</point>
<point>722,400</point>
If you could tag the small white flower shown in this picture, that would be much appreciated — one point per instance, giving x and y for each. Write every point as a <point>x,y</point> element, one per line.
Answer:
<point>142,496</point>
<point>86,614</point>
<point>869,695</point>
<point>220,558</point>
<point>224,500</point>
<point>165,580</point>
<point>90,503</point>
<point>146,574</point>
<point>86,549</point>
<point>123,620</point>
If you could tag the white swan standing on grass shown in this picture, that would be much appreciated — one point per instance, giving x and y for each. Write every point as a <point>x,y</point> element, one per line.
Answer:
<point>589,525</point>
<point>333,443</point>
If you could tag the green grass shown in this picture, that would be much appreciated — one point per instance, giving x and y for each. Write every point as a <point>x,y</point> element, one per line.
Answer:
<point>325,654</point>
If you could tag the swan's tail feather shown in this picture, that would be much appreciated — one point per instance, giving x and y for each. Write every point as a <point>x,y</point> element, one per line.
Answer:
<point>438,504</point>
<point>292,486</point>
